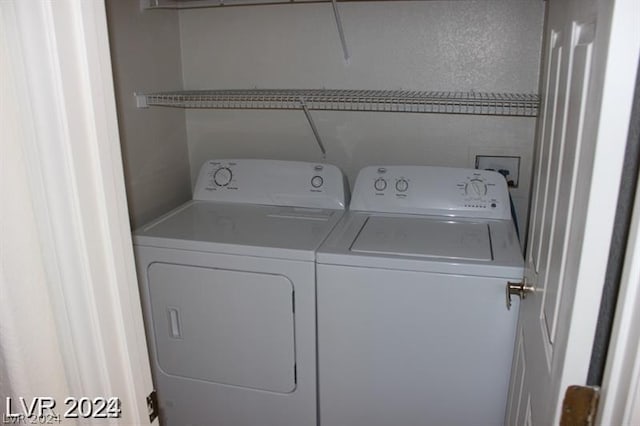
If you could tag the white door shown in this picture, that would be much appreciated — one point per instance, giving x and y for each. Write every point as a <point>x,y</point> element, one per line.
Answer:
<point>586,90</point>
<point>71,320</point>
<point>209,311</point>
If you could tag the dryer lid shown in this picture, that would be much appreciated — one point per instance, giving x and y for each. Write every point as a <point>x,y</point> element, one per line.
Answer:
<point>425,237</point>
<point>235,228</point>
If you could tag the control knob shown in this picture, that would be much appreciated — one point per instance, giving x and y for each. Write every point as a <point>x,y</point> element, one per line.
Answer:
<point>476,188</point>
<point>402,185</point>
<point>317,181</point>
<point>222,176</point>
<point>380,184</point>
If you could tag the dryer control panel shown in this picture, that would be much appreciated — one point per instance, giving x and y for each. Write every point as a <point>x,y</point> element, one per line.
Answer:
<point>272,182</point>
<point>443,191</point>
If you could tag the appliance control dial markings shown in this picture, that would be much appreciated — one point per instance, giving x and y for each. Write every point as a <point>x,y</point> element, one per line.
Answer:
<point>317,181</point>
<point>402,185</point>
<point>380,184</point>
<point>222,176</point>
<point>476,188</point>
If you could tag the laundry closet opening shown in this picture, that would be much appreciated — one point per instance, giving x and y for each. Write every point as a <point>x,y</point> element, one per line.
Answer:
<point>446,49</point>
<point>237,124</point>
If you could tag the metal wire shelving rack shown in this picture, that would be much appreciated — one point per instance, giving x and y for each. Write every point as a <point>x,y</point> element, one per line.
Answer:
<point>470,103</point>
<point>439,102</point>
<point>475,103</point>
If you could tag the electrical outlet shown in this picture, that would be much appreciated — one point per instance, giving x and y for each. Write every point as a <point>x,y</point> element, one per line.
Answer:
<point>507,165</point>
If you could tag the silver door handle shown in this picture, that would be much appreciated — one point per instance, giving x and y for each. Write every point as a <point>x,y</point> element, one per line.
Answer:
<point>517,289</point>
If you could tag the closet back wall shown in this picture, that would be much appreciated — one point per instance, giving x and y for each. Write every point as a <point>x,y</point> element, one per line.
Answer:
<point>491,46</point>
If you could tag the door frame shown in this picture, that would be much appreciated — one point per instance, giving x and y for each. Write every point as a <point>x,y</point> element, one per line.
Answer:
<point>620,399</point>
<point>620,390</point>
<point>67,132</point>
<point>91,279</point>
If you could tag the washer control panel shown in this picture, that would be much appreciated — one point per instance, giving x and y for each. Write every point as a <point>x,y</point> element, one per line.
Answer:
<point>432,190</point>
<point>272,182</point>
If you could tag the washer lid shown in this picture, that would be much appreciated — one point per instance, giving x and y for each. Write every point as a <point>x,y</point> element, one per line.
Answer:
<point>425,237</point>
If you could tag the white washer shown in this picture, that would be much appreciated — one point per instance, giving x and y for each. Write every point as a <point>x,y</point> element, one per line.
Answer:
<point>228,290</point>
<point>413,327</point>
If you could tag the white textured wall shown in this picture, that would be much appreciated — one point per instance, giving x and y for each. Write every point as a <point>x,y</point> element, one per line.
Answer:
<point>419,45</point>
<point>145,51</point>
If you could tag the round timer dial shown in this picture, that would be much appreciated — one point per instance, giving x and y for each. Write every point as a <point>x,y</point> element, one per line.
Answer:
<point>222,176</point>
<point>476,188</point>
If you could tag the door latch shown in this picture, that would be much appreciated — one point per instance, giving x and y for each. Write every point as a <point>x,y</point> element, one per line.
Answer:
<point>517,289</point>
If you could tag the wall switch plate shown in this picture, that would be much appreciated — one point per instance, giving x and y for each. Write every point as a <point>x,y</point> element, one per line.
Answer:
<point>508,165</point>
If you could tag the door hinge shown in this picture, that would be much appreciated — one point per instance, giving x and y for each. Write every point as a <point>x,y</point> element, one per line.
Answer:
<point>580,406</point>
<point>152,405</point>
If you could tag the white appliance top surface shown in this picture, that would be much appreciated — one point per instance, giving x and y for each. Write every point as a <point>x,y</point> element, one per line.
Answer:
<point>432,219</point>
<point>439,244</point>
<point>425,237</point>
<point>235,228</point>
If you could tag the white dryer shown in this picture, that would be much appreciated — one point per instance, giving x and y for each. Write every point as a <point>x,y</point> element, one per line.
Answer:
<point>413,327</point>
<point>228,290</point>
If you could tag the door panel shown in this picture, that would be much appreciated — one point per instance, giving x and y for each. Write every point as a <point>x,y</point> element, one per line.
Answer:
<point>582,40</point>
<point>222,326</point>
<point>578,165</point>
<point>527,420</point>
<point>548,129</point>
<point>552,185</point>
<point>517,382</point>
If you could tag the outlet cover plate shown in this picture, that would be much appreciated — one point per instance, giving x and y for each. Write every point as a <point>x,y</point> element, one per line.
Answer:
<point>501,162</point>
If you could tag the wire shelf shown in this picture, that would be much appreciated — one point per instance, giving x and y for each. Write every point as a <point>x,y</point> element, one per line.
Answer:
<point>196,4</point>
<point>475,103</point>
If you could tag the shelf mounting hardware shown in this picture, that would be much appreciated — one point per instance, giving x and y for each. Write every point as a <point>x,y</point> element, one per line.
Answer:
<point>314,129</point>
<point>336,14</point>
<point>141,100</point>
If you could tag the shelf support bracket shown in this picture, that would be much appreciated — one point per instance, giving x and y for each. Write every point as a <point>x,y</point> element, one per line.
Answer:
<point>314,129</point>
<point>141,100</point>
<point>336,14</point>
